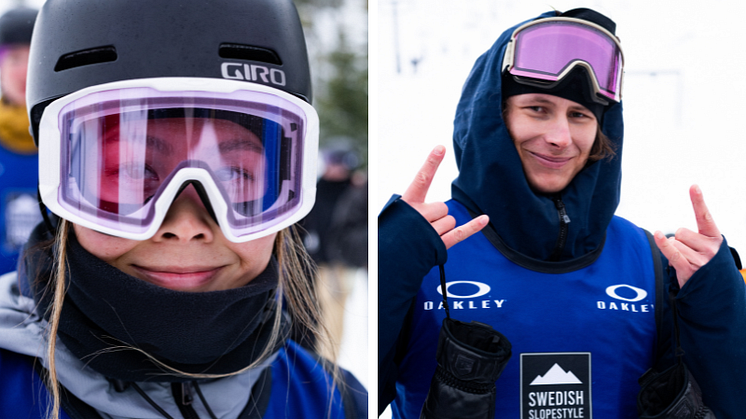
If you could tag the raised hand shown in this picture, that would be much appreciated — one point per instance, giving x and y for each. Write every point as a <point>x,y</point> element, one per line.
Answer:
<point>437,212</point>
<point>688,251</point>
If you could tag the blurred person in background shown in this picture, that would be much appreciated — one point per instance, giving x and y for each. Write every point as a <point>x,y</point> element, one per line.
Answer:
<point>339,159</point>
<point>18,156</point>
<point>348,231</point>
<point>336,234</point>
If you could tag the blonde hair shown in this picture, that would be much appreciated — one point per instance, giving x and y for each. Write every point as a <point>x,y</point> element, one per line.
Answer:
<point>297,274</point>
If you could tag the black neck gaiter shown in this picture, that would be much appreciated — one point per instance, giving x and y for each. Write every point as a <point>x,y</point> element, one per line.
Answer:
<point>106,313</point>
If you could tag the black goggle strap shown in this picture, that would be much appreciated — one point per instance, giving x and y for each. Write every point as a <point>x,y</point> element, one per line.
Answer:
<point>679,350</point>
<point>444,290</point>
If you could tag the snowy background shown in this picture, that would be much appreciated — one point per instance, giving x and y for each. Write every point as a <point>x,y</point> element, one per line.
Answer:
<point>684,98</point>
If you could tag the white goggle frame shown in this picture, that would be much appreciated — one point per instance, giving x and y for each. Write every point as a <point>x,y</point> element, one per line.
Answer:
<point>50,160</point>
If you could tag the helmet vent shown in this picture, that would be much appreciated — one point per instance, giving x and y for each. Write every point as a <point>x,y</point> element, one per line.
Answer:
<point>86,57</point>
<point>250,53</point>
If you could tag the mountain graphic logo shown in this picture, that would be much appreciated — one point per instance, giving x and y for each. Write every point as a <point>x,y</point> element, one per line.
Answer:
<point>555,375</point>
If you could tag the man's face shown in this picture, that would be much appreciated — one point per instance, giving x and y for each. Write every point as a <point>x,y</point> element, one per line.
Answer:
<point>553,136</point>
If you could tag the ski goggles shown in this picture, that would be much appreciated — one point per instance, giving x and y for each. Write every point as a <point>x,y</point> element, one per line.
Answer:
<point>544,51</point>
<point>114,157</point>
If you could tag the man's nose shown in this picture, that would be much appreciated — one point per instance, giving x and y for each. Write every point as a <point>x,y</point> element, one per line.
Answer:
<point>558,133</point>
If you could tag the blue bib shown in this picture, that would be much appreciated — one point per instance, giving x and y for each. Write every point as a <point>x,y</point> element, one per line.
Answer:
<point>581,339</point>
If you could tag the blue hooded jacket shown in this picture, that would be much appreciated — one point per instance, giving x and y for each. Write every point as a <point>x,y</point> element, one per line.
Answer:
<point>712,305</point>
<point>491,179</point>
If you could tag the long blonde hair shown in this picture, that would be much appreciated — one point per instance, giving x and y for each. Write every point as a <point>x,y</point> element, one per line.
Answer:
<point>297,274</point>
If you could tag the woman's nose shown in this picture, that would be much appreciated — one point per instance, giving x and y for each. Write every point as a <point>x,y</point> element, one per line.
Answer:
<point>187,219</point>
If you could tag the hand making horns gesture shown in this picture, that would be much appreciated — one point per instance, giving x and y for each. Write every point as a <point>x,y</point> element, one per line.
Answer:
<point>688,251</point>
<point>436,213</point>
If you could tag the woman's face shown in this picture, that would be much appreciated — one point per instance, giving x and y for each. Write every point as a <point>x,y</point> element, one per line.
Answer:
<point>189,251</point>
<point>553,136</point>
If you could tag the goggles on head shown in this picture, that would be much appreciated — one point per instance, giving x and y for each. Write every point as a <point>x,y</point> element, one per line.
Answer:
<point>114,157</point>
<point>542,52</point>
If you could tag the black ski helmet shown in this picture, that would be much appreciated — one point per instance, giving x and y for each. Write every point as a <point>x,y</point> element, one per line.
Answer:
<point>82,43</point>
<point>16,26</point>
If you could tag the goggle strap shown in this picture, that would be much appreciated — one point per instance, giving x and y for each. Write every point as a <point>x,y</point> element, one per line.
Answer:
<point>597,96</point>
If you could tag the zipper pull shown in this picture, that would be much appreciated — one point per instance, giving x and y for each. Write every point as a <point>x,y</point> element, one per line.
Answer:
<point>186,394</point>
<point>183,399</point>
<point>120,385</point>
<point>562,211</point>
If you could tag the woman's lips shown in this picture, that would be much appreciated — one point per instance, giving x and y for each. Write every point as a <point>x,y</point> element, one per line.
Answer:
<point>551,162</point>
<point>178,278</point>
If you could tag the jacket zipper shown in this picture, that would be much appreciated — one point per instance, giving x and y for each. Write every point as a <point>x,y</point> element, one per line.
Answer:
<point>183,396</point>
<point>564,220</point>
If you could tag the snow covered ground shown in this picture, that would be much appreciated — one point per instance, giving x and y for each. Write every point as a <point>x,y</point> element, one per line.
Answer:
<point>354,352</point>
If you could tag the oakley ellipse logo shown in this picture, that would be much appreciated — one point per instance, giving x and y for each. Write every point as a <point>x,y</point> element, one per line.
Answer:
<point>253,72</point>
<point>627,290</point>
<point>482,289</point>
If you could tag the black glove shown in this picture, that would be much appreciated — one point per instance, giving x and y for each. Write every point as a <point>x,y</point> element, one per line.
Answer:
<point>671,394</point>
<point>471,357</point>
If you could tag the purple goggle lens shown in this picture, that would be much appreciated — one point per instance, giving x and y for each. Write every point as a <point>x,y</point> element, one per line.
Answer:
<point>115,157</point>
<point>546,50</point>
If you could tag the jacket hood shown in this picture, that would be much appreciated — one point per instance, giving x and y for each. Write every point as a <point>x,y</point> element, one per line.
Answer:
<point>491,178</point>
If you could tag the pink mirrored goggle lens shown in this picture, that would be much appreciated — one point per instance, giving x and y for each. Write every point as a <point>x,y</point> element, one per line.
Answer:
<point>545,50</point>
<point>119,154</point>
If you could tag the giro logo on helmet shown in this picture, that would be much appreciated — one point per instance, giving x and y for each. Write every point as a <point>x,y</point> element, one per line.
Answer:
<point>252,72</point>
